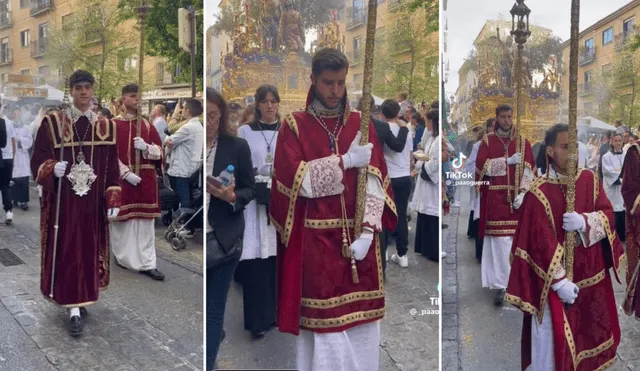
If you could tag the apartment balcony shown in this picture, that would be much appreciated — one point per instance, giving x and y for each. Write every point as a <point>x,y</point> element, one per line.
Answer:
<point>356,57</point>
<point>5,20</point>
<point>356,17</point>
<point>585,89</point>
<point>164,79</point>
<point>40,7</point>
<point>38,48</point>
<point>622,39</point>
<point>587,56</point>
<point>6,58</point>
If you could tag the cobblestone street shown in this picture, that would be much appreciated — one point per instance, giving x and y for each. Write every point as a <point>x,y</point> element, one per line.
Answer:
<point>137,324</point>
<point>408,342</point>
<point>477,336</point>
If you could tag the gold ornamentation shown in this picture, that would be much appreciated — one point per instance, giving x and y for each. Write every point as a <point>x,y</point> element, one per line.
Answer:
<point>591,281</point>
<point>327,223</point>
<point>342,300</point>
<point>297,183</point>
<point>342,320</point>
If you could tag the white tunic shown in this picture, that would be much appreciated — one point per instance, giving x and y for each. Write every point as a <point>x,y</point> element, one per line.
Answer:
<point>611,168</point>
<point>426,197</point>
<point>259,240</point>
<point>133,243</point>
<point>24,141</point>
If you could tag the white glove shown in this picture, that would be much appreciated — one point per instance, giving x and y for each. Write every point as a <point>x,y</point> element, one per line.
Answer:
<point>358,156</point>
<point>515,159</point>
<point>518,201</point>
<point>573,222</point>
<point>112,213</point>
<point>139,144</point>
<point>567,291</point>
<point>265,170</point>
<point>360,247</point>
<point>133,179</point>
<point>60,168</point>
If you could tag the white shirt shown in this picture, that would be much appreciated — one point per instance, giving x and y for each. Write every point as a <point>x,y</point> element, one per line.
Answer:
<point>161,125</point>
<point>7,151</point>
<point>583,155</point>
<point>398,164</point>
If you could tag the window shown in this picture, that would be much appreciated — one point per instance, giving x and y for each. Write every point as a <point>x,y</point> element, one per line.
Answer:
<point>25,71</point>
<point>628,26</point>
<point>589,44</point>
<point>44,71</point>
<point>3,78</point>
<point>25,38</point>
<point>67,22</point>
<point>24,4</point>
<point>43,31</point>
<point>357,48</point>
<point>159,73</point>
<point>607,36</point>
<point>587,78</point>
<point>4,50</point>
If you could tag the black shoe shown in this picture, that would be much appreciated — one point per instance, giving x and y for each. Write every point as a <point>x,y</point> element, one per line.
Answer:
<point>25,206</point>
<point>154,274</point>
<point>75,326</point>
<point>118,264</point>
<point>83,312</point>
<point>499,298</point>
<point>257,335</point>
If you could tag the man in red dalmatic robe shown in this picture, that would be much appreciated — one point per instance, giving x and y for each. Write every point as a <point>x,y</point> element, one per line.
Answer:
<point>89,196</point>
<point>133,235</point>
<point>631,196</point>
<point>313,205</point>
<point>497,163</point>
<point>570,318</point>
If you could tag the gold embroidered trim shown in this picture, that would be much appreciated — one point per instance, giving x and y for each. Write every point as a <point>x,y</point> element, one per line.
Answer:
<point>107,124</point>
<point>293,125</point>
<point>142,206</point>
<point>341,300</point>
<point>500,232</point>
<point>523,305</point>
<point>137,215</point>
<point>283,189</point>
<point>504,222</point>
<point>535,190</point>
<point>343,320</point>
<point>113,188</point>
<point>608,364</point>
<point>568,335</point>
<point>481,174</point>
<point>375,172</point>
<point>525,256</point>
<point>276,225</point>
<point>297,183</point>
<point>327,223</point>
<point>501,187</point>
<point>635,204</point>
<point>591,280</point>
<point>611,236</point>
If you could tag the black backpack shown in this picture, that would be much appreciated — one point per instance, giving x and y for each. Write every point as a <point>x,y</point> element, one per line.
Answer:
<point>3,133</point>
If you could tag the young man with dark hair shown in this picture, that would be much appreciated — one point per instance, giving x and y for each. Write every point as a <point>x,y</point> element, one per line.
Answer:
<point>399,165</point>
<point>497,162</point>
<point>133,232</point>
<point>568,304</point>
<point>320,259</point>
<point>185,150</point>
<point>81,193</point>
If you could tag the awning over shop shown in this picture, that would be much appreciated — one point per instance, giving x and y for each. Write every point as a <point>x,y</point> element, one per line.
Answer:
<point>166,94</point>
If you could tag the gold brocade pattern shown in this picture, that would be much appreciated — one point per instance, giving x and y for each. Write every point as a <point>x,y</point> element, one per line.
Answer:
<point>113,196</point>
<point>293,125</point>
<point>283,189</point>
<point>587,353</point>
<point>343,320</point>
<point>502,223</point>
<point>523,305</point>
<point>501,187</point>
<point>506,232</point>
<point>591,281</point>
<point>327,223</point>
<point>636,202</point>
<point>341,300</point>
<point>297,184</point>
<point>536,268</point>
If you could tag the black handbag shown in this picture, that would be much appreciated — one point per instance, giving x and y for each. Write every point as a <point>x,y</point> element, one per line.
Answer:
<point>218,255</point>
<point>424,175</point>
<point>263,194</point>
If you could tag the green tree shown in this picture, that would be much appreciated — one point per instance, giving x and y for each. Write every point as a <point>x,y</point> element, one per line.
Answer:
<point>161,34</point>
<point>92,39</point>
<point>617,91</point>
<point>410,60</point>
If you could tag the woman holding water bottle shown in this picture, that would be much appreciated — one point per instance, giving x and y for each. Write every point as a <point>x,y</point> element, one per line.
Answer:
<point>229,194</point>
<point>257,269</point>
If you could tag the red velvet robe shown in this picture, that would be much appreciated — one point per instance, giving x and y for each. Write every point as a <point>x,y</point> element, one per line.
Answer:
<point>82,257</point>
<point>631,195</point>
<point>496,218</point>
<point>315,290</point>
<point>141,201</point>
<point>587,333</point>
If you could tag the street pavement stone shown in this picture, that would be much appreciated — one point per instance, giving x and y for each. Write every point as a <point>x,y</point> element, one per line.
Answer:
<point>492,339</point>
<point>450,325</point>
<point>120,332</point>
<point>408,342</point>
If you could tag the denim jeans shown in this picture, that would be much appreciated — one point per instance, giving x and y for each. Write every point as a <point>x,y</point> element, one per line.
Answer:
<point>183,192</point>
<point>218,283</point>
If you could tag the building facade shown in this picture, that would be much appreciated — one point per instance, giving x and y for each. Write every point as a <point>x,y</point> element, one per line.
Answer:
<point>601,45</point>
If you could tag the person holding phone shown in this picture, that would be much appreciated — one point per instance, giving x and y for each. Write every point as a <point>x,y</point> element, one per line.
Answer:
<point>225,217</point>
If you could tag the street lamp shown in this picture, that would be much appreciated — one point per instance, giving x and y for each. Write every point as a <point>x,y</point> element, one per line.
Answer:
<point>520,32</point>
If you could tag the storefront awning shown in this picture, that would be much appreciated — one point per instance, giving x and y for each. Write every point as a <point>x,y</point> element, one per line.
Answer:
<point>165,94</point>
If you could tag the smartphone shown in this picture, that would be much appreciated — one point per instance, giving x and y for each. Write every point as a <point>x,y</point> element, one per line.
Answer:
<point>213,181</point>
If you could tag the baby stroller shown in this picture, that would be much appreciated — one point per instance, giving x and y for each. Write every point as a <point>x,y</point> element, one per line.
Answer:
<point>168,202</point>
<point>185,218</point>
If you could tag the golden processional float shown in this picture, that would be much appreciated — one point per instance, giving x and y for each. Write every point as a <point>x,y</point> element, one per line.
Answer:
<point>267,47</point>
<point>496,81</point>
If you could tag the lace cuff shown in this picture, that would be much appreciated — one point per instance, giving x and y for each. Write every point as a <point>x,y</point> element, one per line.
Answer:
<point>153,152</point>
<point>527,179</point>
<point>374,204</point>
<point>124,169</point>
<point>323,178</point>
<point>497,167</point>
<point>594,229</point>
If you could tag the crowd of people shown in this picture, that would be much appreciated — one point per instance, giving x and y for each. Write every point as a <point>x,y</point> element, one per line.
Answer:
<point>284,229</point>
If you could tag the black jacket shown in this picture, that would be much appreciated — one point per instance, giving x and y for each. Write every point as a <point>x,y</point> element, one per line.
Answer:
<point>226,220</point>
<point>385,136</point>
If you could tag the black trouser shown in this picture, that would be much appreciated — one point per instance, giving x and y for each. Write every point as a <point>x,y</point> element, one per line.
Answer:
<point>6,173</point>
<point>620,227</point>
<point>383,250</point>
<point>401,191</point>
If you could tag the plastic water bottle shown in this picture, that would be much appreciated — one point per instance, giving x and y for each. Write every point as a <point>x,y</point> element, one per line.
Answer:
<point>226,176</point>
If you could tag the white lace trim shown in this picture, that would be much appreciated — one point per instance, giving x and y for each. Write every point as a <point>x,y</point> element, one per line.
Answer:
<point>596,228</point>
<point>325,176</point>
<point>153,152</point>
<point>497,167</point>
<point>373,209</point>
